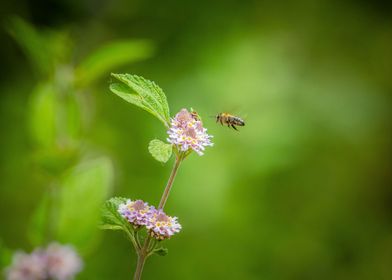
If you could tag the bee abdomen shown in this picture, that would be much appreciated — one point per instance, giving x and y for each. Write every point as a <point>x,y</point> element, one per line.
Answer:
<point>237,121</point>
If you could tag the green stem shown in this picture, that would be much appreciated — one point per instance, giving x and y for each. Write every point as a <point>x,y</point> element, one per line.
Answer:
<point>134,241</point>
<point>141,259</point>
<point>169,184</point>
<point>145,251</point>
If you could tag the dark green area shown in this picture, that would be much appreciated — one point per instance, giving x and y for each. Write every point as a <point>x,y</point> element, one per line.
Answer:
<point>303,191</point>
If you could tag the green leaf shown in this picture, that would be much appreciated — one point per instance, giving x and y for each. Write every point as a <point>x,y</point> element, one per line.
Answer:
<point>144,94</point>
<point>38,228</point>
<point>43,115</point>
<point>110,227</point>
<point>161,151</point>
<point>128,95</point>
<point>55,161</point>
<point>70,118</point>
<point>45,49</point>
<point>111,56</point>
<point>54,119</point>
<point>83,190</point>
<point>5,255</point>
<point>161,251</point>
<point>33,44</point>
<point>111,218</point>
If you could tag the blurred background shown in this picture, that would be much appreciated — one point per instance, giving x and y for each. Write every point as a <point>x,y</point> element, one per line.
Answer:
<point>303,191</point>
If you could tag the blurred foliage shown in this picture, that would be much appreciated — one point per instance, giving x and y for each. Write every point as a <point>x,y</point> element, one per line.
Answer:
<point>78,216</point>
<point>301,192</point>
<point>110,56</point>
<point>56,127</point>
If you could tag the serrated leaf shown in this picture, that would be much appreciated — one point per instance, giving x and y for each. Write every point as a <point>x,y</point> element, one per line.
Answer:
<point>143,93</point>
<point>161,151</point>
<point>128,95</point>
<point>111,218</point>
<point>161,251</point>
<point>110,56</point>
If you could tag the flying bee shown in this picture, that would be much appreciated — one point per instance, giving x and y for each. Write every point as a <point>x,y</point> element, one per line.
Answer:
<point>229,120</point>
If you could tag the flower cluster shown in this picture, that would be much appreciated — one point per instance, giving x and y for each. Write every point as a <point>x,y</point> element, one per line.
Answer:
<point>139,213</point>
<point>136,212</point>
<point>162,226</point>
<point>57,262</point>
<point>187,132</point>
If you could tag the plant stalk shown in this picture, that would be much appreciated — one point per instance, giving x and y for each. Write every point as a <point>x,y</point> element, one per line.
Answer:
<point>169,184</point>
<point>144,252</point>
<point>141,259</point>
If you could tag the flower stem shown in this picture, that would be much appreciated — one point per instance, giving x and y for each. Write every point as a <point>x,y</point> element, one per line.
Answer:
<point>169,184</point>
<point>144,252</point>
<point>141,259</point>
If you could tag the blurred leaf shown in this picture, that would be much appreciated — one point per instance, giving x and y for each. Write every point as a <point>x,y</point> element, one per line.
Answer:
<point>61,47</point>
<point>144,94</point>
<point>83,191</point>
<point>111,56</point>
<point>55,118</point>
<point>69,120</point>
<point>161,251</point>
<point>34,45</point>
<point>38,227</point>
<point>111,218</point>
<point>43,115</point>
<point>73,119</point>
<point>5,255</point>
<point>161,151</point>
<point>56,161</point>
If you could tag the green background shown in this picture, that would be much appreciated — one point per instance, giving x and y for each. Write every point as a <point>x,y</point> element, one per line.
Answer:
<point>301,192</point>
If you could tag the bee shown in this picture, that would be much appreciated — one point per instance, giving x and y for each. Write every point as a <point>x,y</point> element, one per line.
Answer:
<point>195,115</point>
<point>229,120</point>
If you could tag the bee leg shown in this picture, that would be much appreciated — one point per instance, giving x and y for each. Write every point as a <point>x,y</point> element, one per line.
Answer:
<point>221,121</point>
<point>234,127</point>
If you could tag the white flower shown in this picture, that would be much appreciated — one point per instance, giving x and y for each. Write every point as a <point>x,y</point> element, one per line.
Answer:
<point>187,132</point>
<point>56,262</point>
<point>26,267</point>
<point>63,263</point>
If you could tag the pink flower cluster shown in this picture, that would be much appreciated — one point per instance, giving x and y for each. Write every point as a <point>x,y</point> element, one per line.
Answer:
<point>136,212</point>
<point>187,132</point>
<point>57,262</point>
<point>139,213</point>
<point>162,226</point>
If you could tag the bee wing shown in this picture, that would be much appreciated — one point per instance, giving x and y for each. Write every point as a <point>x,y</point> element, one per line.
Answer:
<point>244,117</point>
